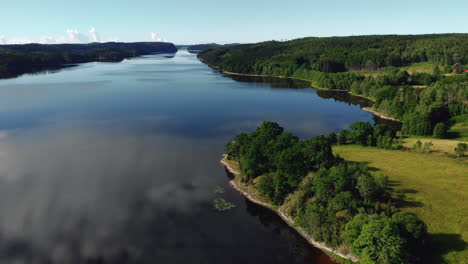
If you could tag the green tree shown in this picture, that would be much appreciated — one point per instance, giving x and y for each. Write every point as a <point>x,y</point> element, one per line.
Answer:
<point>360,131</point>
<point>427,147</point>
<point>367,187</point>
<point>440,131</point>
<point>380,242</point>
<point>460,149</point>
<point>332,138</point>
<point>342,137</point>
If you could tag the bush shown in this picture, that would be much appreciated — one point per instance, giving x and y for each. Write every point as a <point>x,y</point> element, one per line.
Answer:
<point>440,131</point>
<point>461,149</point>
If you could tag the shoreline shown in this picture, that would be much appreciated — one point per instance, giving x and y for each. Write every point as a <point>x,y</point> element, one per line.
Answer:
<point>367,109</point>
<point>289,221</point>
<point>381,115</point>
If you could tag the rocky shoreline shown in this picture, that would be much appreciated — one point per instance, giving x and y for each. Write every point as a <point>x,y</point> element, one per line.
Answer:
<point>284,216</point>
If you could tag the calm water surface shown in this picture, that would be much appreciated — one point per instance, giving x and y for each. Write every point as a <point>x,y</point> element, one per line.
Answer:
<point>116,163</point>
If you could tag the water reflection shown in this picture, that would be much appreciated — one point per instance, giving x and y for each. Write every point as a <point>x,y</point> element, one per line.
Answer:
<point>116,163</point>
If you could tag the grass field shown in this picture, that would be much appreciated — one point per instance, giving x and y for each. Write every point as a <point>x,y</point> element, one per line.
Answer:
<point>461,130</point>
<point>426,67</point>
<point>435,187</point>
<point>440,146</point>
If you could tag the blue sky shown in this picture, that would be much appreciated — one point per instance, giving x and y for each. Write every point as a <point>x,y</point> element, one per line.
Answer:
<point>201,21</point>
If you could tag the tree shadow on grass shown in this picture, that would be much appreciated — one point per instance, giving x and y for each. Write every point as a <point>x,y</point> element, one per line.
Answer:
<point>441,244</point>
<point>402,200</point>
<point>452,135</point>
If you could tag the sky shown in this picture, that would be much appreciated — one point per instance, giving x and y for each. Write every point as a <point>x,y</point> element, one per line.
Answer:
<point>206,21</point>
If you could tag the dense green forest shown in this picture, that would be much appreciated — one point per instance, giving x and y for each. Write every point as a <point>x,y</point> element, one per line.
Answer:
<point>370,66</point>
<point>201,47</point>
<point>19,59</point>
<point>340,203</point>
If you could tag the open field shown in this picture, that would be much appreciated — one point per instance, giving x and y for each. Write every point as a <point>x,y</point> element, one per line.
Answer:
<point>426,67</point>
<point>461,130</point>
<point>440,146</point>
<point>435,187</point>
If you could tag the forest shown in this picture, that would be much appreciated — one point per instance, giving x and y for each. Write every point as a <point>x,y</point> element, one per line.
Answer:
<point>201,47</point>
<point>373,67</point>
<point>338,202</point>
<point>29,58</point>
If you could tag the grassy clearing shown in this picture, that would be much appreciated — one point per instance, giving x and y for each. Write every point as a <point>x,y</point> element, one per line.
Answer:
<point>435,187</point>
<point>426,67</point>
<point>419,86</point>
<point>440,146</point>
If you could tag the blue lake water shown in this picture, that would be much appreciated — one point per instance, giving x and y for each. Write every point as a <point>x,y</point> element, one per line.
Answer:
<point>116,163</point>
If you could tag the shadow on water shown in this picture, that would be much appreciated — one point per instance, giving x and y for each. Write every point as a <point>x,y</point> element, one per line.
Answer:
<point>273,82</point>
<point>299,246</point>
<point>337,96</point>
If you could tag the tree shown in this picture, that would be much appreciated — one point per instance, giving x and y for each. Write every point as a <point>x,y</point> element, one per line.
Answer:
<point>318,153</point>
<point>332,138</point>
<point>251,162</point>
<point>427,147</point>
<point>380,242</point>
<point>411,227</point>
<point>418,146</point>
<point>413,230</point>
<point>460,149</point>
<point>342,137</point>
<point>440,130</point>
<point>367,187</point>
<point>266,186</point>
<point>360,131</point>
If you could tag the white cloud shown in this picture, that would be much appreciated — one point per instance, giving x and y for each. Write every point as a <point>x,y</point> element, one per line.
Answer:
<point>19,40</point>
<point>47,40</point>
<point>2,40</point>
<point>74,36</point>
<point>155,37</point>
<point>113,39</point>
<point>94,35</point>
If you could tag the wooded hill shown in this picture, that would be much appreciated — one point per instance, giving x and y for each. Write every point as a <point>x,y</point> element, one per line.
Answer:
<point>370,66</point>
<point>19,59</point>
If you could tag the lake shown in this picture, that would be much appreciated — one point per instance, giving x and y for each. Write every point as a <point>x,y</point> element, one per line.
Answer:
<point>117,162</point>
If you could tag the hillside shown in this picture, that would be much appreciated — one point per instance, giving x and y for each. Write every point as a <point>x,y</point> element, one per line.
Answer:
<point>418,79</point>
<point>201,47</point>
<point>19,59</point>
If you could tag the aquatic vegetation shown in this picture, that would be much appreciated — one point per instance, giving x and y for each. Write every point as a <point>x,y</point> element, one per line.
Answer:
<point>218,190</point>
<point>222,205</point>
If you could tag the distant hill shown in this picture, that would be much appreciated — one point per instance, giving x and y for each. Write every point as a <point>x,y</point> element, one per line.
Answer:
<point>340,54</point>
<point>28,58</point>
<point>201,47</point>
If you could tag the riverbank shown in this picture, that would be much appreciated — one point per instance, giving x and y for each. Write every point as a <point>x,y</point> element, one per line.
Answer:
<point>379,114</point>
<point>367,109</point>
<point>237,185</point>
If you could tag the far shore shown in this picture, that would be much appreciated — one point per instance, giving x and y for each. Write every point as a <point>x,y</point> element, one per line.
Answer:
<point>236,185</point>
<point>367,109</point>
